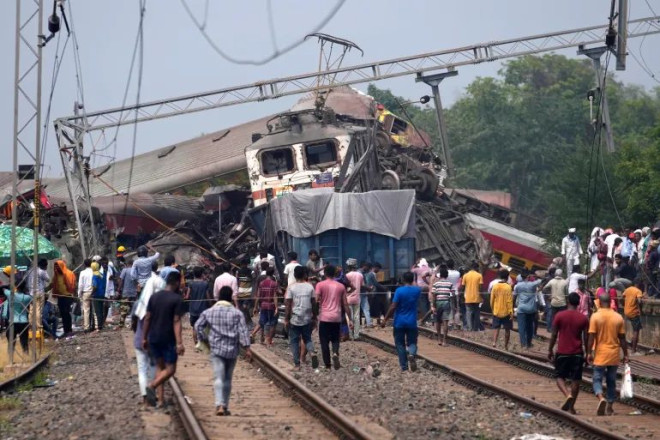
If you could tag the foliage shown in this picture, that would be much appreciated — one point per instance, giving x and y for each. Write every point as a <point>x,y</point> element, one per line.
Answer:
<point>529,132</point>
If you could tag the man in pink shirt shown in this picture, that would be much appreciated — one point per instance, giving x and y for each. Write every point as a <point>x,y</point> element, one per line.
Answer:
<point>422,277</point>
<point>357,281</point>
<point>331,297</point>
<point>226,279</point>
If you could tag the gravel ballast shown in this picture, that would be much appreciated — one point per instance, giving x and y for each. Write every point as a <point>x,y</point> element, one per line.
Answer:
<point>94,396</point>
<point>423,404</point>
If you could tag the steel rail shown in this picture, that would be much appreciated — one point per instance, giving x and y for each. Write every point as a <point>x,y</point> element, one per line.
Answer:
<point>317,407</point>
<point>186,414</point>
<point>589,430</point>
<point>647,404</point>
<point>9,383</point>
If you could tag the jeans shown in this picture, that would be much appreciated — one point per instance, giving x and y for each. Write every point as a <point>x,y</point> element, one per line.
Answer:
<point>473,316</point>
<point>355,316</point>
<point>329,333</point>
<point>99,312</point>
<point>423,305</point>
<point>526,328</point>
<point>64,304</point>
<point>405,337</point>
<point>223,369</point>
<point>548,316</point>
<point>610,379</point>
<point>364,305</point>
<point>295,333</point>
<point>146,370</point>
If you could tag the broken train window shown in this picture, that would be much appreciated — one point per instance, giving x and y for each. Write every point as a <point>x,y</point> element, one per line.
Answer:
<point>321,153</point>
<point>277,162</point>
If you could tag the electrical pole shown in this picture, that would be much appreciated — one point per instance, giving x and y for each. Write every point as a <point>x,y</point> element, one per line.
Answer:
<point>434,81</point>
<point>27,120</point>
<point>622,35</point>
<point>604,123</point>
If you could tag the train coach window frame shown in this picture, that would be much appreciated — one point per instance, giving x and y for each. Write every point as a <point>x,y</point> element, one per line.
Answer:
<point>326,142</point>
<point>290,160</point>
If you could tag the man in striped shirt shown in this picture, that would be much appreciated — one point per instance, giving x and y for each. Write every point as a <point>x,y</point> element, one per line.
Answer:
<point>501,303</point>
<point>440,296</point>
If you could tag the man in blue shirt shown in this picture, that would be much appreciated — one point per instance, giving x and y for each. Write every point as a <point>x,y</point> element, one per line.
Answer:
<point>404,309</point>
<point>98,295</point>
<point>169,263</point>
<point>21,306</point>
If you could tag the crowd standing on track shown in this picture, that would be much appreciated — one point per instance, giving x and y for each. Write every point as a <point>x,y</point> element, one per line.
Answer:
<point>235,306</point>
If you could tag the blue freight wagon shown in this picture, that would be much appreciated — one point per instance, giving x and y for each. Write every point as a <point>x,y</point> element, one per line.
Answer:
<point>376,226</point>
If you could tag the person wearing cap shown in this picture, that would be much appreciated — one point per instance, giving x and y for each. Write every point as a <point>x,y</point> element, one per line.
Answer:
<point>607,335</point>
<point>571,250</point>
<point>121,261</point>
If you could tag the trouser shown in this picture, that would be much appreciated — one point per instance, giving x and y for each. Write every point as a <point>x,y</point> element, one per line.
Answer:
<point>473,313</point>
<point>99,312</point>
<point>50,326</point>
<point>38,302</point>
<point>463,311</point>
<point>329,334</point>
<point>87,312</point>
<point>526,328</point>
<point>609,372</point>
<point>364,306</point>
<point>223,369</point>
<point>549,315</point>
<point>295,333</point>
<point>405,340</point>
<point>20,332</point>
<point>355,316</point>
<point>378,306</point>
<point>125,309</point>
<point>423,306</point>
<point>146,370</point>
<point>64,304</point>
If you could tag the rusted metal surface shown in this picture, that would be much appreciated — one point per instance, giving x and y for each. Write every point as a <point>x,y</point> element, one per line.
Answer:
<point>537,391</point>
<point>190,422</point>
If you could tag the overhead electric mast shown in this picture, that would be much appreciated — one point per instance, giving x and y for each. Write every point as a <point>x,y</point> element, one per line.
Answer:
<point>72,129</point>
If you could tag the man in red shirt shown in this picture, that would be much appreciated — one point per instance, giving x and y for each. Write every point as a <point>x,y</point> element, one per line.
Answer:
<point>331,297</point>
<point>570,327</point>
<point>266,303</point>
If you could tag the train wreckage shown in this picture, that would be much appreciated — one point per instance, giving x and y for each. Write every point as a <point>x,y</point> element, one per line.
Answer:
<point>207,199</point>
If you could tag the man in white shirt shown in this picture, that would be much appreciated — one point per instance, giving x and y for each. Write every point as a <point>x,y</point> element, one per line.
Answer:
<point>609,241</point>
<point>457,309</point>
<point>85,293</point>
<point>226,279</point>
<point>571,250</point>
<point>290,267</point>
<point>43,285</point>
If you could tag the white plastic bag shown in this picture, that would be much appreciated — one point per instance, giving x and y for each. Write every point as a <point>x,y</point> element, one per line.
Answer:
<point>627,386</point>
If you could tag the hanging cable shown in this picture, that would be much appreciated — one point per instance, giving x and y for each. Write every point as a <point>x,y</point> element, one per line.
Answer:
<point>202,25</point>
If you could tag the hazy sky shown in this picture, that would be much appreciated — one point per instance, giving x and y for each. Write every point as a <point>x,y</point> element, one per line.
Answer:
<point>178,60</point>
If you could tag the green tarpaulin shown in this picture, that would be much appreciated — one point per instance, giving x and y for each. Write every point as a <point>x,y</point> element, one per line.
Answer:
<point>24,246</point>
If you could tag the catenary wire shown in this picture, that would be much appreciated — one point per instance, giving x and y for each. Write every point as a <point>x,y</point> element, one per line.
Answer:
<point>272,56</point>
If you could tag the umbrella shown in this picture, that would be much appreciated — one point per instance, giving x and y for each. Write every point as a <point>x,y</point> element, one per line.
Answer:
<point>24,246</point>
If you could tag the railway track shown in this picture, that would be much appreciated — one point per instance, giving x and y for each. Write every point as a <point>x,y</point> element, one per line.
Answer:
<point>640,367</point>
<point>267,402</point>
<point>531,384</point>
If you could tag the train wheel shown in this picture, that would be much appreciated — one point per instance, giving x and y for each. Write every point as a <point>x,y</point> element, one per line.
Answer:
<point>383,143</point>
<point>428,185</point>
<point>390,180</point>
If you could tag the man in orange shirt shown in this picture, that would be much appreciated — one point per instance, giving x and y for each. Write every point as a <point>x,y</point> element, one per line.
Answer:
<point>471,286</point>
<point>607,334</point>
<point>631,297</point>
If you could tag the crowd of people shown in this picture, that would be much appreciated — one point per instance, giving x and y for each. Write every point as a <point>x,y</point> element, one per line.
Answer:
<point>234,306</point>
